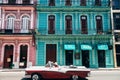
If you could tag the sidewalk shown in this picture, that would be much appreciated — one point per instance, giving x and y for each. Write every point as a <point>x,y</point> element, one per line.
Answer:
<point>106,69</point>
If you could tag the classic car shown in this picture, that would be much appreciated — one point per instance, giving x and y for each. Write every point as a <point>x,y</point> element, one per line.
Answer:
<point>53,71</point>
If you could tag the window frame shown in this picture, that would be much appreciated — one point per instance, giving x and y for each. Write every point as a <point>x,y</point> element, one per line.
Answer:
<point>84,24</point>
<point>51,24</point>
<point>10,22</point>
<point>68,2</point>
<point>97,2</point>
<point>82,2</point>
<point>68,24</point>
<point>51,2</point>
<point>25,22</point>
<point>99,24</point>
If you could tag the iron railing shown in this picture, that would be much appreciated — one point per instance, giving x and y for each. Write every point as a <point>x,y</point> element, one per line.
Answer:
<point>74,3</point>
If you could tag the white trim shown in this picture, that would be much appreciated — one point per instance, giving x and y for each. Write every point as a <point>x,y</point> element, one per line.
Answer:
<point>32,19</point>
<point>3,20</point>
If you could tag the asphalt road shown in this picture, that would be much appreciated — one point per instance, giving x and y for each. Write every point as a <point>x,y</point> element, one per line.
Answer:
<point>95,75</point>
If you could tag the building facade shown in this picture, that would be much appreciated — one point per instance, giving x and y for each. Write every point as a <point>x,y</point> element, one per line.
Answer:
<point>74,32</point>
<point>116,30</point>
<point>17,48</point>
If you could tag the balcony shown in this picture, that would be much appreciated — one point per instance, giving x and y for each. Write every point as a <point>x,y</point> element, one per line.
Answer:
<point>74,6</point>
<point>73,32</point>
<point>15,32</point>
<point>13,2</point>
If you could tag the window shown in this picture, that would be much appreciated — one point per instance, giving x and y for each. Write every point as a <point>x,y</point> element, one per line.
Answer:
<point>84,24</point>
<point>116,4</point>
<point>98,2</point>
<point>0,1</point>
<point>11,1</point>
<point>68,21</point>
<point>116,17</point>
<point>68,2</point>
<point>83,2</point>
<point>10,22</point>
<point>25,23</point>
<point>51,24</point>
<point>99,25</point>
<point>51,2</point>
<point>26,1</point>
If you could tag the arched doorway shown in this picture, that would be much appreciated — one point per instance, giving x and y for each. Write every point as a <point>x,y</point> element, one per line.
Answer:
<point>8,56</point>
<point>23,56</point>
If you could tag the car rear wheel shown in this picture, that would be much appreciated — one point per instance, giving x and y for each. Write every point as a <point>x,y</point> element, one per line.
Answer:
<point>36,77</point>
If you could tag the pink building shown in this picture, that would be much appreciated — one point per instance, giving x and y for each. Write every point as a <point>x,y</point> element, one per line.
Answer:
<point>17,45</point>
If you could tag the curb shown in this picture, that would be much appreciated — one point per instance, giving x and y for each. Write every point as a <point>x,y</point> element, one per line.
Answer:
<point>104,69</point>
<point>12,70</point>
<point>98,69</point>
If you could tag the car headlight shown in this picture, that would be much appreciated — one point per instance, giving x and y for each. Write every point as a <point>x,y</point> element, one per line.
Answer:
<point>89,74</point>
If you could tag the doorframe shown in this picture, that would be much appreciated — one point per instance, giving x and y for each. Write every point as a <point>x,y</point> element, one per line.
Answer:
<point>28,52</point>
<point>88,57</point>
<point>104,58</point>
<point>3,51</point>
<point>46,51</point>
<point>72,56</point>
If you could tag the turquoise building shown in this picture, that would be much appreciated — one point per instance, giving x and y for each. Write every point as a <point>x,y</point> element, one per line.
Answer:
<point>74,32</point>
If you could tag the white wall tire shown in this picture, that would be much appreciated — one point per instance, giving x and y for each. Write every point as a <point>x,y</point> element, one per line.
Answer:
<point>75,77</point>
<point>36,77</point>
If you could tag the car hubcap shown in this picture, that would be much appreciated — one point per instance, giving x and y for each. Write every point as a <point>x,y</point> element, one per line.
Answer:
<point>74,77</point>
<point>35,77</point>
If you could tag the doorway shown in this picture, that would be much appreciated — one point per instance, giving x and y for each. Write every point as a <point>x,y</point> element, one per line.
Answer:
<point>51,52</point>
<point>8,56</point>
<point>23,56</point>
<point>69,57</point>
<point>85,58</point>
<point>101,58</point>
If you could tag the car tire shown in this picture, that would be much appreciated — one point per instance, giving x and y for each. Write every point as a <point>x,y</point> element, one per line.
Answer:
<point>36,77</point>
<point>74,77</point>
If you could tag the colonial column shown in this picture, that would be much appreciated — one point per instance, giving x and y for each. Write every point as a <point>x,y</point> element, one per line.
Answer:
<point>16,55</point>
<point>61,48</point>
<point>60,21</point>
<point>1,63</point>
<point>114,49</point>
<point>3,19</point>
<point>32,19</point>
<point>0,19</point>
<point>76,22</point>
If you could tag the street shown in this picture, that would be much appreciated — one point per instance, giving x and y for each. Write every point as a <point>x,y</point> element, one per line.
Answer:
<point>95,75</point>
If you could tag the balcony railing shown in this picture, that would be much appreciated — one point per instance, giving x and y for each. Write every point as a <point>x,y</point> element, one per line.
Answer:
<point>73,32</point>
<point>15,31</point>
<point>75,3</point>
<point>17,3</point>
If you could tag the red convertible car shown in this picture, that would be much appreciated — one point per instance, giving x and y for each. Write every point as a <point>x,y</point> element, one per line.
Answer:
<point>53,71</point>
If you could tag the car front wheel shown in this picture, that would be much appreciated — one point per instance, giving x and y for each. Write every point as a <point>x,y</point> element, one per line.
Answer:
<point>74,77</point>
<point>36,77</point>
